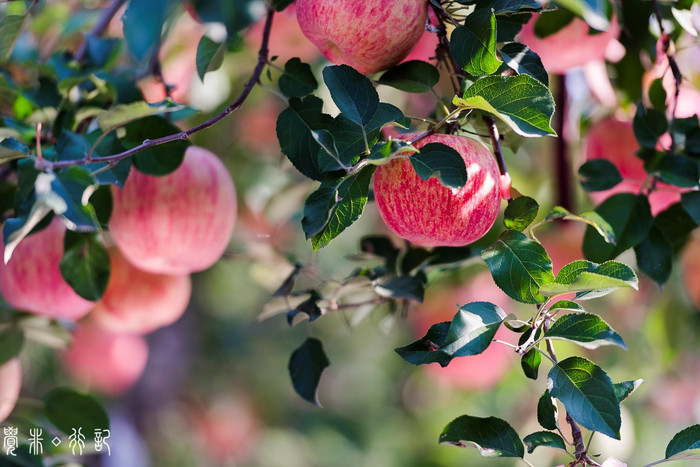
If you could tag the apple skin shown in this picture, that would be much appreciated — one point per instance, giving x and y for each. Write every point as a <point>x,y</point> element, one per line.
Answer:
<point>569,47</point>
<point>369,35</point>
<point>10,385</point>
<point>32,281</point>
<point>105,361</point>
<point>475,372</point>
<point>427,213</point>
<point>690,270</point>
<point>140,302</point>
<point>178,223</point>
<point>614,140</point>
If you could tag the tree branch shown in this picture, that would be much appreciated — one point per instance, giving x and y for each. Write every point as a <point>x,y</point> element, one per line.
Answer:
<point>183,135</point>
<point>562,174</point>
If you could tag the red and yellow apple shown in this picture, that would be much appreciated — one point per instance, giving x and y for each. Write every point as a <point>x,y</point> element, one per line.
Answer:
<point>32,281</point>
<point>106,361</point>
<point>10,384</point>
<point>178,223</point>
<point>571,46</point>
<point>476,372</point>
<point>370,35</point>
<point>140,302</point>
<point>426,212</point>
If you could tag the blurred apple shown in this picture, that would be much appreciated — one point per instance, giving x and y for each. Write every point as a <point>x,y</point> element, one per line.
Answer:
<point>690,270</point>
<point>10,384</point>
<point>32,281</point>
<point>476,372</point>
<point>563,243</point>
<point>254,123</point>
<point>286,38</point>
<point>103,360</point>
<point>140,302</point>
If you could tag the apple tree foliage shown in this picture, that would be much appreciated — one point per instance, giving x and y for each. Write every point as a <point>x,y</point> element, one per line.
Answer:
<point>73,123</point>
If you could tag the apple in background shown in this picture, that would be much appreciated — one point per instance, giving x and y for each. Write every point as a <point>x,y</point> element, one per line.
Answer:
<point>563,243</point>
<point>614,140</point>
<point>140,302</point>
<point>253,123</point>
<point>103,360</point>
<point>476,372</point>
<point>569,47</point>
<point>286,38</point>
<point>427,213</point>
<point>178,223</point>
<point>369,35</point>
<point>31,280</point>
<point>690,270</point>
<point>10,384</point>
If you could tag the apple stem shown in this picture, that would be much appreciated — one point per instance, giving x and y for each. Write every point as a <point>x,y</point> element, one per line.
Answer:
<point>562,174</point>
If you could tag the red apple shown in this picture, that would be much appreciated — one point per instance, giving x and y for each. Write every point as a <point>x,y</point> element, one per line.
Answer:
<point>31,280</point>
<point>10,384</point>
<point>614,140</point>
<point>105,361</point>
<point>140,302</point>
<point>475,372</point>
<point>368,35</point>
<point>427,213</point>
<point>569,47</point>
<point>178,223</point>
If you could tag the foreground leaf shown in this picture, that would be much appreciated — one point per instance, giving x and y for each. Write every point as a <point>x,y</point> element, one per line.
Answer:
<point>586,329</point>
<point>492,436</point>
<point>590,280</point>
<point>685,444</point>
<point>625,389</point>
<point>68,410</point>
<point>544,438</point>
<point>11,343</point>
<point>85,265</point>
<point>306,366</point>
<point>352,92</point>
<point>591,218</point>
<point>437,159</point>
<point>474,44</point>
<point>520,213</point>
<point>414,76</point>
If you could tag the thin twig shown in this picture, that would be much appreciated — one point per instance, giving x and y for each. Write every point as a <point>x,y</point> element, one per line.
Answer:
<point>100,27</point>
<point>183,135</point>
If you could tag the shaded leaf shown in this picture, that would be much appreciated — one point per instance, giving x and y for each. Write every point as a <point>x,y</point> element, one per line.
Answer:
<point>655,256</point>
<point>625,389</point>
<point>11,149</point>
<point>352,92</point>
<point>437,159</point>
<point>414,76</point>
<point>544,438</point>
<point>402,287</point>
<point>68,409</point>
<point>298,80</point>
<point>11,343</point>
<point>547,411</point>
<point>492,436</point>
<point>85,265</point>
<point>156,160</point>
<point>210,55</point>
<point>685,444</point>
<point>598,175</point>
<point>474,44</point>
<point>691,203</point>
<point>308,307</point>
<point>679,171</point>
<point>143,23</point>
<point>306,366</point>
<point>648,126</point>
<point>520,58</point>
<point>520,213</point>
<point>530,363</point>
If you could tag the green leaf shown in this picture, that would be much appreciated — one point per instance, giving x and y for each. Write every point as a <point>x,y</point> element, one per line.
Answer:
<point>524,103</point>
<point>530,363</point>
<point>74,186</point>
<point>11,149</point>
<point>657,95</point>
<point>629,216</point>
<point>590,280</point>
<point>519,266</point>
<point>547,411</point>
<point>676,225</point>
<point>492,436</point>
<point>124,113</point>
<point>655,256</point>
<point>437,159</point>
<point>383,151</point>
<point>156,160</point>
<point>587,394</point>
<point>625,389</point>
<point>598,175</point>
<point>544,438</point>
<point>591,218</point>
<point>68,409</point>
<point>85,265</point>
<point>210,55</point>
<point>586,329</point>
<point>306,366</point>
<point>11,343</point>
<point>280,5</point>
<point>679,171</point>
<point>408,287</point>
<point>295,127</point>
<point>298,80</point>
<point>474,44</point>
<point>685,444</point>
<point>309,307</point>
<point>691,203</point>
<point>648,126</point>
<point>335,206</point>
<point>414,76</point>
<point>520,58</point>
<point>551,22</point>
<point>567,305</point>
<point>352,92</point>
<point>143,23</point>
<point>427,349</point>
<point>21,458</point>
<point>10,30</point>
<point>594,12</point>
<point>520,213</point>
<point>504,7</point>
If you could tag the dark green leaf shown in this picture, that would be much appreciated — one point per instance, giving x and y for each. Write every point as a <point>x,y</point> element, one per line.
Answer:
<point>413,76</point>
<point>280,5</point>
<point>566,305</point>
<point>210,56</point>
<point>520,213</point>
<point>676,225</point>
<point>156,160</point>
<point>10,30</point>
<point>590,280</point>
<point>11,343</point>
<point>679,171</point>
<point>72,185</point>
<point>474,44</point>
<point>492,436</point>
<point>504,7</point>
<point>547,411</point>
<point>521,101</point>
<point>427,349</point>
<point>587,394</point>
<point>384,150</point>
<point>598,175</point>
<point>657,95</point>
<point>352,92</point>
<point>655,256</point>
<point>22,458</point>
<point>308,307</point>
<point>629,216</point>
<point>649,125</point>
<point>691,203</point>
<point>625,389</point>
<point>85,265</point>
<point>143,23</point>
<point>437,159</point>
<point>530,363</point>
<point>306,366</point>
<point>298,80</point>
<point>382,247</point>
<point>544,438</point>
<point>684,443</point>
<point>472,329</point>
<point>586,329</point>
<point>519,266</point>
<point>68,409</point>
<point>520,58</point>
<point>408,287</point>
<point>594,12</point>
<point>11,149</point>
<point>552,22</point>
